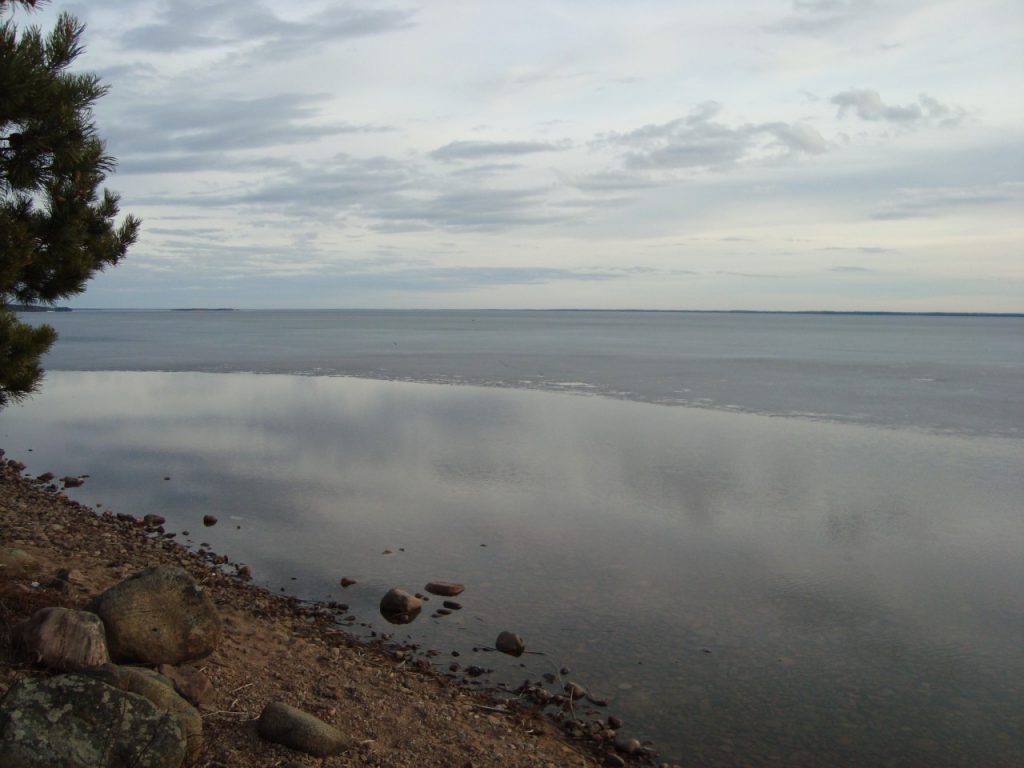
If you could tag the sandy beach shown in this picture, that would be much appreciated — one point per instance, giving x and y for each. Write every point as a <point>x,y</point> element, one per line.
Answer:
<point>396,711</point>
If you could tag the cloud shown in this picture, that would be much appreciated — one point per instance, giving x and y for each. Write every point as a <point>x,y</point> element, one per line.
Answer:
<point>700,141</point>
<point>868,105</point>
<point>916,203</point>
<point>197,134</point>
<point>184,25</point>
<point>479,150</point>
<point>814,17</point>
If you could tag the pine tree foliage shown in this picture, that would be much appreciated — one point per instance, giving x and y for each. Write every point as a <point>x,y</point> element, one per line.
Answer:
<point>57,227</point>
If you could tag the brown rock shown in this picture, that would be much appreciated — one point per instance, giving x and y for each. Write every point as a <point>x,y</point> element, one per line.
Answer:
<point>510,643</point>
<point>158,616</point>
<point>153,521</point>
<point>63,639</point>
<point>347,582</point>
<point>445,588</point>
<point>16,562</point>
<point>72,482</point>
<point>399,607</point>
<point>209,520</point>
<point>293,728</point>
<point>190,683</point>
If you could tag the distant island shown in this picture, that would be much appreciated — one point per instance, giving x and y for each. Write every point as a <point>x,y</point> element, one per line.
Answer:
<point>37,308</point>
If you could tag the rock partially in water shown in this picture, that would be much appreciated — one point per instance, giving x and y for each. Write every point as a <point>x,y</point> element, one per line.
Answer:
<point>575,691</point>
<point>399,607</point>
<point>295,729</point>
<point>510,643</point>
<point>76,722</point>
<point>63,639</point>
<point>158,616</point>
<point>347,582</point>
<point>445,588</point>
<point>153,521</point>
<point>209,520</point>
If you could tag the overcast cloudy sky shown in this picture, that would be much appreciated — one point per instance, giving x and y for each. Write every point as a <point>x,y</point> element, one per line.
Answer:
<point>763,154</point>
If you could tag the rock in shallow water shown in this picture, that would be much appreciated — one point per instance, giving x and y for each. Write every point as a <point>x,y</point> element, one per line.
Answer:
<point>399,607</point>
<point>510,643</point>
<point>445,588</point>
<point>75,722</point>
<point>293,728</point>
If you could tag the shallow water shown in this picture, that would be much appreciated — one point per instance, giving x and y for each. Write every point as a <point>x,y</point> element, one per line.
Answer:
<point>743,589</point>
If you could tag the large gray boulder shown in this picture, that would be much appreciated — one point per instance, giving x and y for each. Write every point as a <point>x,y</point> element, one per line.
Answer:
<point>75,722</point>
<point>160,691</point>
<point>158,616</point>
<point>63,639</point>
<point>295,729</point>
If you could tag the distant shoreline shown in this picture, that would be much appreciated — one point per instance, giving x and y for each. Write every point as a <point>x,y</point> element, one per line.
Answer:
<point>821,312</point>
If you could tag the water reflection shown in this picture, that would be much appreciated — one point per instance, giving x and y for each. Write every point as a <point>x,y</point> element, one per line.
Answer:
<point>744,589</point>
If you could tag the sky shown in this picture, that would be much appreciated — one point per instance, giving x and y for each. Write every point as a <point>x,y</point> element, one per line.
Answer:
<point>652,154</point>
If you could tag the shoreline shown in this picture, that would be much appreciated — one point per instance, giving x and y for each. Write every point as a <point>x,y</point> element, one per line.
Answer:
<point>394,705</point>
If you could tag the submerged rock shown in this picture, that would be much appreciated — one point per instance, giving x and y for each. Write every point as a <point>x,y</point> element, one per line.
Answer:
<point>63,639</point>
<point>158,616</point>
<point>77,722</point>
<point>293,728</point>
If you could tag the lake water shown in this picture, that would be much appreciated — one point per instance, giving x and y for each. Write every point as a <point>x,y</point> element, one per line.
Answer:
<point>820,564</point>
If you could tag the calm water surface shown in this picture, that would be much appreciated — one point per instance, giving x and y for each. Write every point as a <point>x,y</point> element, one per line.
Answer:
<point>744,589</point>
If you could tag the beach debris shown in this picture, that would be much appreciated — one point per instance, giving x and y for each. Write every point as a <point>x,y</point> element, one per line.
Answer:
<point>445,588</point>
<point>209,520</point>
<point>158,616</point>
<point>510,643</point>
<point>291,727</point>
<point>63,639</point>
<point>98,725</point>
<point>400,607</point>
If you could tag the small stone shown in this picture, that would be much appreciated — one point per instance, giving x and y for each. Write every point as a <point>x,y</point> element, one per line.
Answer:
<point>615,722</point>
<point>190,683</point>
<point>628,746</point>
<point>72,482</point>
<point>244,572</point>
<point>347,582</point>
<point>510,643</point>
<point>452,605</point>
<point>45,477</point>
<point>445,588</point>
<point>153,521</point>
<point>575,691</point>
<point>209,520</point>
<point>293,728</point>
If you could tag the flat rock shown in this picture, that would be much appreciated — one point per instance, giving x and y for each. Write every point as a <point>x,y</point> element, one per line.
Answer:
<point>160,691</point>
<point>76,722</point>
<point>295,729</point>
<point>63,639</point>
<point>158,616</point>
<point>445,588</point>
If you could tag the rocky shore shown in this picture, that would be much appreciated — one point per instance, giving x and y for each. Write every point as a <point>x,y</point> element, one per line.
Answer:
<point>241,676</point>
